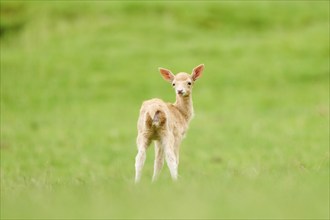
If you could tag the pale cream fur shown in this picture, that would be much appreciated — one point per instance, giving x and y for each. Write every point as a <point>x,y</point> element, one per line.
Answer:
<point>166,123</point>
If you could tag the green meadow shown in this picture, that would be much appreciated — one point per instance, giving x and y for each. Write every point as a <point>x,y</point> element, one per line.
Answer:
<point>73,77</point>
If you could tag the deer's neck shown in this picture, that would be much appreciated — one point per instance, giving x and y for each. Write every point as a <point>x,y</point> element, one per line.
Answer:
<point>185,106</point>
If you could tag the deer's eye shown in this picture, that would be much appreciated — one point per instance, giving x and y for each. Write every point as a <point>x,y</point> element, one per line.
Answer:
<point>173,84</point>
<point>189,83</point>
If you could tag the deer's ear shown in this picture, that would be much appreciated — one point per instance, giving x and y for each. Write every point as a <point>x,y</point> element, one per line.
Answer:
<point>197,72</point>
<point>167,74</point>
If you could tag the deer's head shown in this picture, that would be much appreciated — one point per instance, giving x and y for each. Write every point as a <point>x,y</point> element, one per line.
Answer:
<point>182,82</point>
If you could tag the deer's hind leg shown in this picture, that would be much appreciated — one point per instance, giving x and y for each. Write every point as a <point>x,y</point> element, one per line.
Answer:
<point>142,143</point>
<point>159,159</point>
<point>170,156</point>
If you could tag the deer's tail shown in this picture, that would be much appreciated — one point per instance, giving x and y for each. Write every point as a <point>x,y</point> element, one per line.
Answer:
<point>155,118</point>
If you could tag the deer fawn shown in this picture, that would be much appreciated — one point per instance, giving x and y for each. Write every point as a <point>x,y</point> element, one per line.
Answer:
<point>166,123</point>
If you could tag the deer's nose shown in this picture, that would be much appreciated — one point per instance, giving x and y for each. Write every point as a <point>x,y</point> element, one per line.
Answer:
<point>180,91</point>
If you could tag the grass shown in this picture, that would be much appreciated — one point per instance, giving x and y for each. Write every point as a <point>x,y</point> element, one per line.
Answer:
<point>73,76</point>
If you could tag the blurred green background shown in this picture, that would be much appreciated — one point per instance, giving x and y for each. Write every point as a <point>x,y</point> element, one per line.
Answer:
<point>73,76</point>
